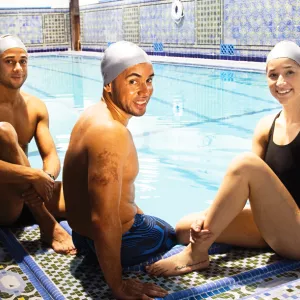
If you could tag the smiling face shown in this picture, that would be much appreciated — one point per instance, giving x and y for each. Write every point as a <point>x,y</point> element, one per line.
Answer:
<point>132,89</point>
<point>13,68</point>
<point>283,76</point>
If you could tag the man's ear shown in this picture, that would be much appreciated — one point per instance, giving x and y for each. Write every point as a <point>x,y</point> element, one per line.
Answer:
<point>107,87</point>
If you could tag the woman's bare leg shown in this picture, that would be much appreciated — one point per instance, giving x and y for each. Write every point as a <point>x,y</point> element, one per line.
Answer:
<point>242,231</point>
<point>274,211</point>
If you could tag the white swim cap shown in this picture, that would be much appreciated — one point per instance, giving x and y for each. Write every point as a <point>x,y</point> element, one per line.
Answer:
<point>120,56</point>
<point>8,41</point>
<point>285,49</point>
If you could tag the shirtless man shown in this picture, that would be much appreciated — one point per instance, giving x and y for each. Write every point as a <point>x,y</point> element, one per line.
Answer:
<point>100,167</point>
<point>23,117</point>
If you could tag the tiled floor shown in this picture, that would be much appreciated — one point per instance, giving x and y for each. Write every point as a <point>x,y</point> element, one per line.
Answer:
<point>14,284</point>
<point>230,276</point>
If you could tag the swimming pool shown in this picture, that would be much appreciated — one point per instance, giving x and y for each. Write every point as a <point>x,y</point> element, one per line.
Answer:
<point>197,120</point>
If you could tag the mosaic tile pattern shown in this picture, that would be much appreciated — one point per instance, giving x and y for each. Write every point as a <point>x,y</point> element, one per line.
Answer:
<point>14,284</point>
<point>82,32</point>
<point>131,25</point>
<point>261,22</point>
<point>209,22</point>
<point>287,291</point>
<point>87,280</point>
<point>157,25</point>
<point>68,28</point>
<point>102,26</point>
<point>27,27</point>
<point>39,29</point>
<point>55,29</point>
<point>261,288</point>
<point>252,26</point>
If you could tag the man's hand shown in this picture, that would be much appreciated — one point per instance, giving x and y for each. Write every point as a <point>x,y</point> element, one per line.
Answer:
<point>43,185</point>
<point>32,198</point>
<point>135,289</point>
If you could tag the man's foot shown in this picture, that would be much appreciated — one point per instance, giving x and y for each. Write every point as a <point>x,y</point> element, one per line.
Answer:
<point>59,240</point>
<point>181,263</point>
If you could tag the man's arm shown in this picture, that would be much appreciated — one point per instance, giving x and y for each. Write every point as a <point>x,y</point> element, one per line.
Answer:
<point>45,143</point>
<point>107,153</point>
<point>107,150</point>
<point>18,174</point>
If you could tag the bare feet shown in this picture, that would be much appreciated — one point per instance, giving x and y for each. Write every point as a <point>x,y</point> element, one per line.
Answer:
<point>51,231</point>
<point>181,263</point>
<point>193,257</point>
<point>59,240</point>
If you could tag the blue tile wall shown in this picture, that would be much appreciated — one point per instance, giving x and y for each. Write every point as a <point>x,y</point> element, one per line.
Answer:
<point>261,22</point>
<point>102,26</point>
<point>27,27</point>
<point>252,27</point>
<point>39,29</point>
<point>157,25</point>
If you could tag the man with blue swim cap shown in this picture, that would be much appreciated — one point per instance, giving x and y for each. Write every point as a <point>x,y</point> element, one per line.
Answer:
<point>100,168</point>
<point>27,193</point>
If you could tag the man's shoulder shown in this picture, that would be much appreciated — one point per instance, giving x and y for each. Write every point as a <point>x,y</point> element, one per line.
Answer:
<point>30,99</point>
<point>107,128</point>
<point>27,96</point>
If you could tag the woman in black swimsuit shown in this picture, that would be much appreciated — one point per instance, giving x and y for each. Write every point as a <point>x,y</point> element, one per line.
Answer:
<point>269,178</point>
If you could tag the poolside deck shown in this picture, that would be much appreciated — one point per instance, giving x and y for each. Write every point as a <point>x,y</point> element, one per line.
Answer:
<point>29,270</point>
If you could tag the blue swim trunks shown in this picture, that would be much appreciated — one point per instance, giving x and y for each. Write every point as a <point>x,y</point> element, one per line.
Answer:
<point>147,237</point>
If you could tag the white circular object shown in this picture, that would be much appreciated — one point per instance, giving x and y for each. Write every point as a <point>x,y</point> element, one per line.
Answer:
<point>177,11</point>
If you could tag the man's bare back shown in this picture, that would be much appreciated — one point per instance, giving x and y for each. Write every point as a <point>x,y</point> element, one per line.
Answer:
<point>23,117</point>
<point>89,132</point>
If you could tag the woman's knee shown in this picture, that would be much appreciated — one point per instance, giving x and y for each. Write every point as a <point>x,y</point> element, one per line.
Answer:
<point>247,164</point>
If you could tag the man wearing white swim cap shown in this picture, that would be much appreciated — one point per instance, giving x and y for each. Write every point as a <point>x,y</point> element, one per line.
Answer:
<point>100,168</point>
<point>27,194</point>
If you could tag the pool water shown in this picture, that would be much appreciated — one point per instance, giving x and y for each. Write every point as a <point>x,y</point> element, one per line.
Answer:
<point>197,121</point>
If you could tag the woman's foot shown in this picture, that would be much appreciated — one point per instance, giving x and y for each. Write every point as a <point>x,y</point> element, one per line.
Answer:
<point>181,263</point>
<point>193,258</point>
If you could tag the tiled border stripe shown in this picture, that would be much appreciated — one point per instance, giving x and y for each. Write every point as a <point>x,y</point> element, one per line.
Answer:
<point>275,288</point>
<point>23,266</point>
<point>40,280</point>
<point>220,286</point>
<point>171,54</point>
<point>191,55</point>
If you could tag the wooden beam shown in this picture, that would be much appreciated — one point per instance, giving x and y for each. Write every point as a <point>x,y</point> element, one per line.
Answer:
<point>75,25</point>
